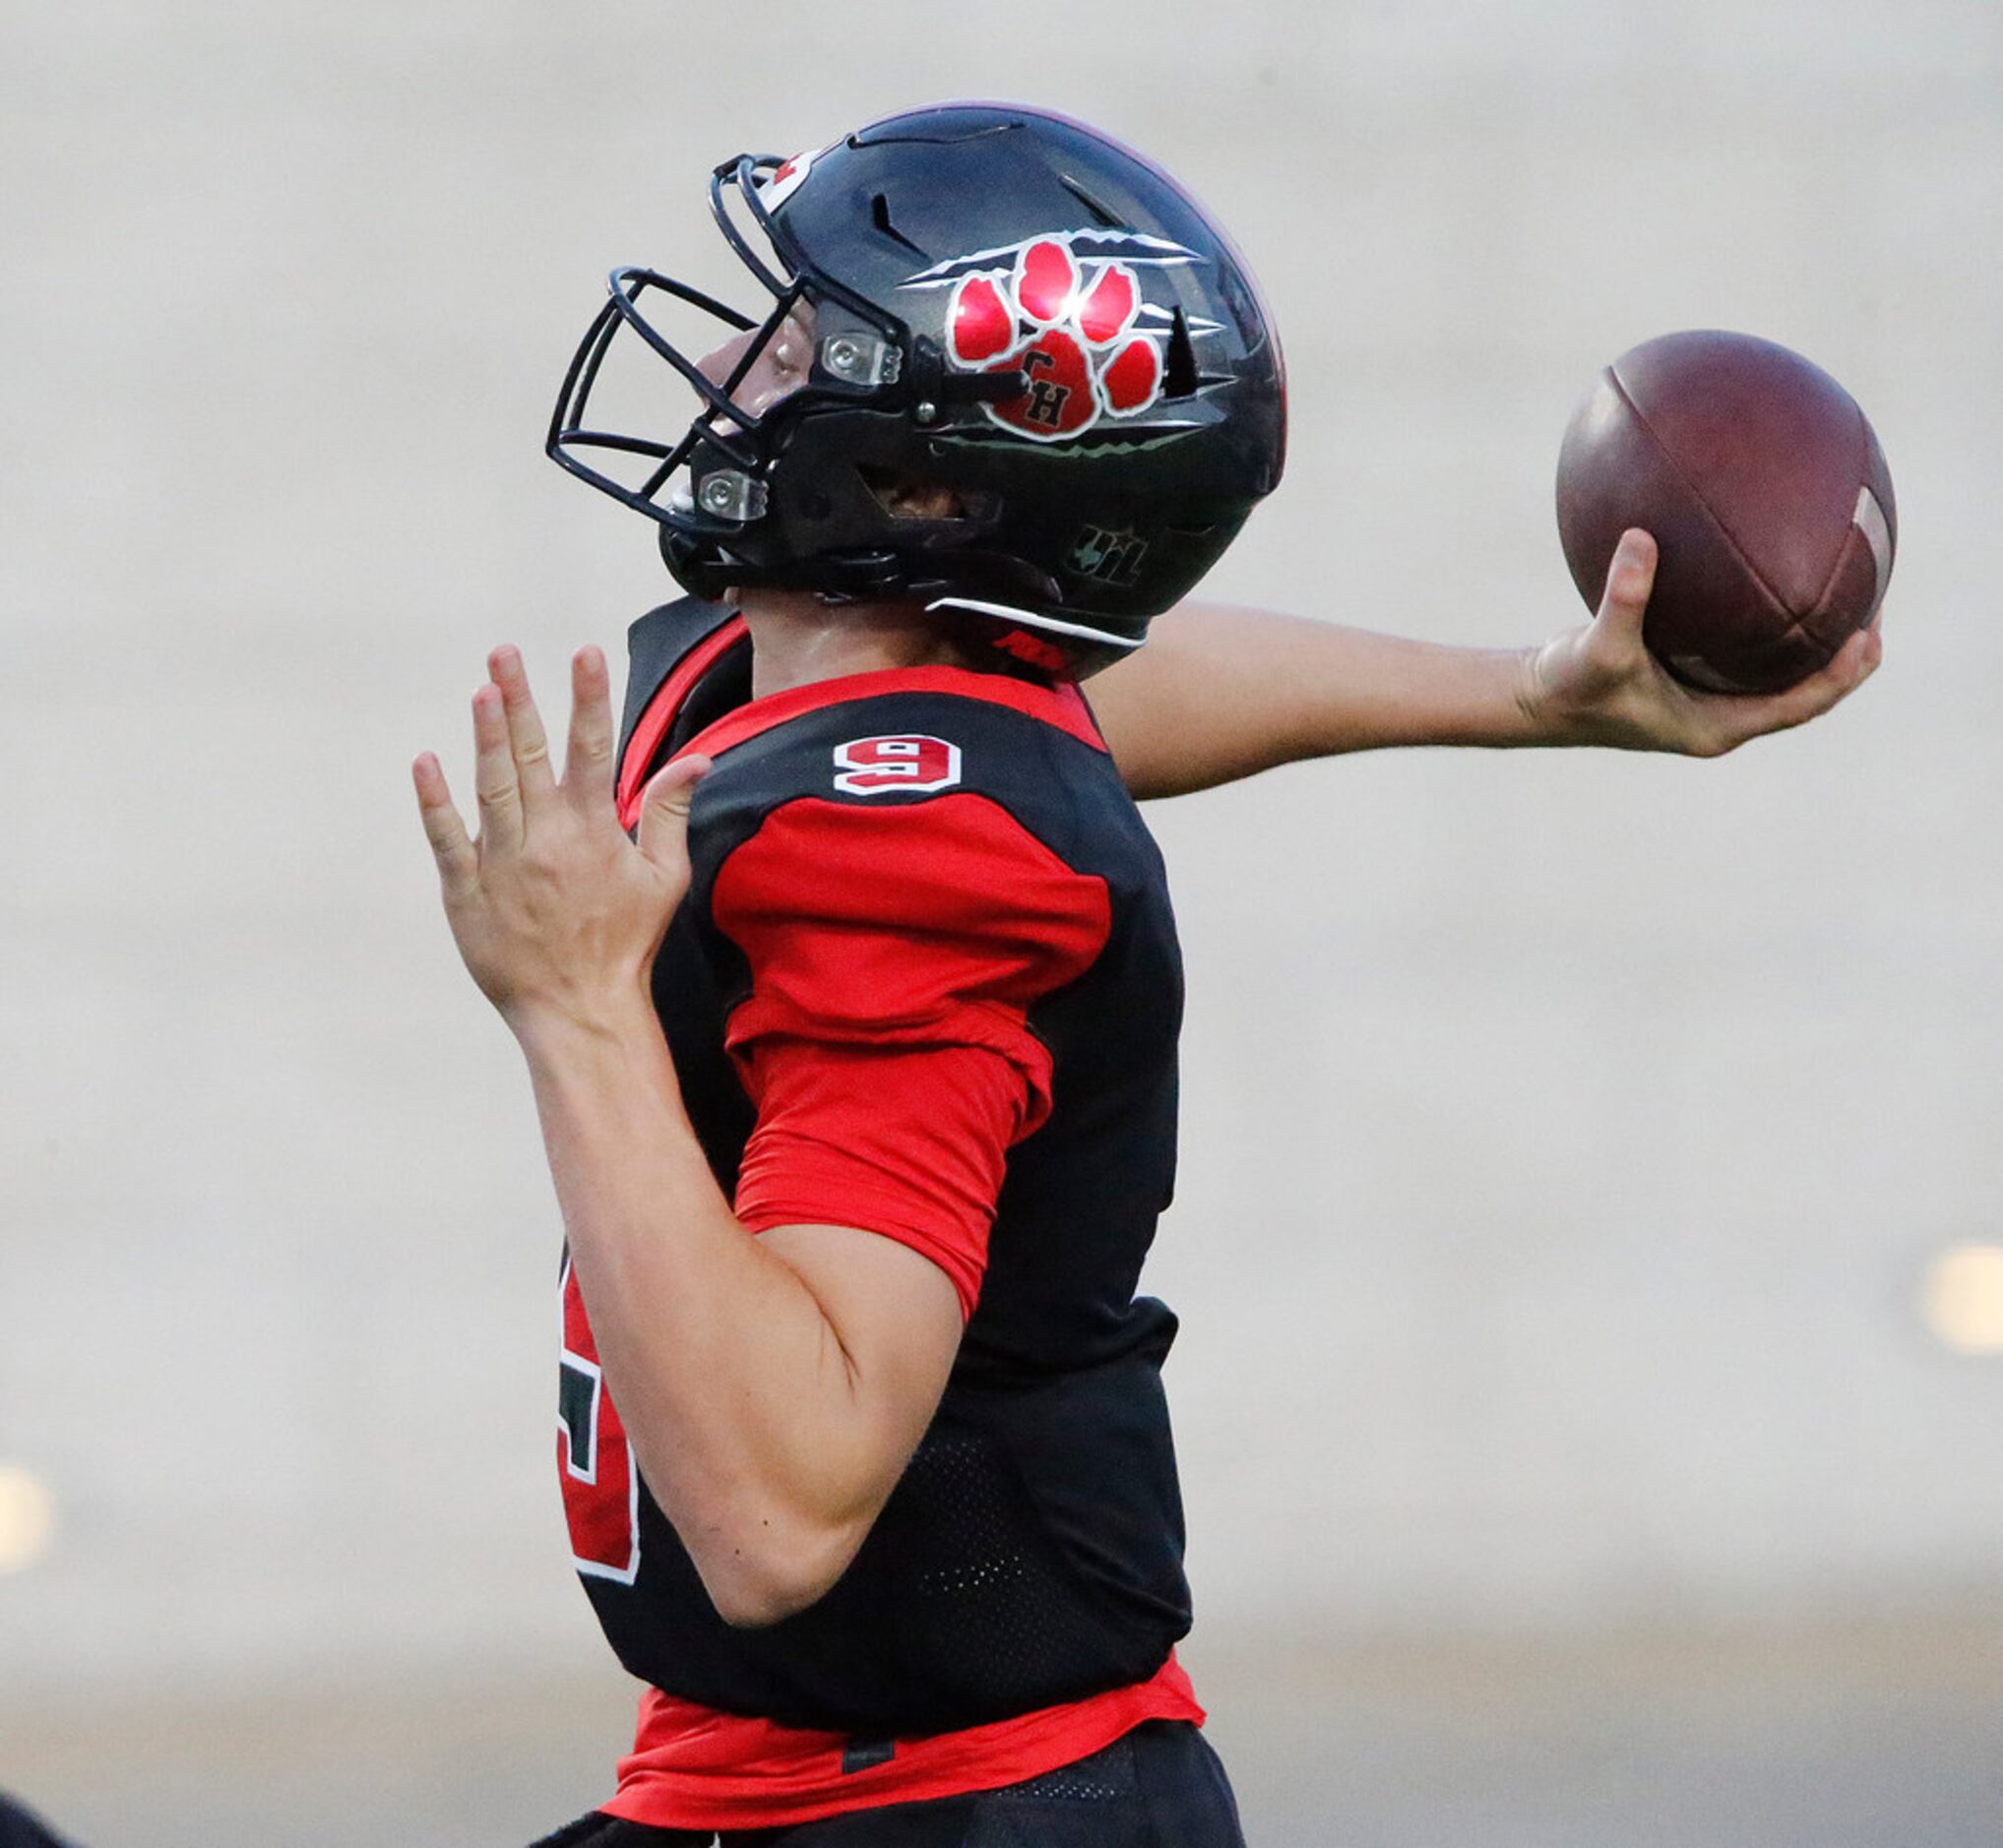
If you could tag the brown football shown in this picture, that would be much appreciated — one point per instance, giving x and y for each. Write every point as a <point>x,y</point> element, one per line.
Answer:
<point>1767,494</point>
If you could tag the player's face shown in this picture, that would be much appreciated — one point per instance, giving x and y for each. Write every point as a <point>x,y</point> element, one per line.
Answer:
<point>781,368</point>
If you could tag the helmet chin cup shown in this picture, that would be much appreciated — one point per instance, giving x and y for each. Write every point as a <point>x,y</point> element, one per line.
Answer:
<point>1012,312</point>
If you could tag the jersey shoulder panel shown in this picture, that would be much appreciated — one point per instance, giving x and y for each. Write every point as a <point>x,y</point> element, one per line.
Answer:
<point>878,865</point>
<point>935,921</point>
<point>898,743</point>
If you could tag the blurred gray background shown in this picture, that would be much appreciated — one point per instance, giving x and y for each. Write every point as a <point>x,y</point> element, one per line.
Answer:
<point>1590,1392</point>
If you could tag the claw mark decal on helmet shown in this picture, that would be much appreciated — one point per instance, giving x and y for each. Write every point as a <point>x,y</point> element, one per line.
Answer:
<point>1065,310</point>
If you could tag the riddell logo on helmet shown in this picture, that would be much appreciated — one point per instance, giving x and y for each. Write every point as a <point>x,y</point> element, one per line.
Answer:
<point>1065,309</point>
<point>1034,649</point>
<point>773,191</point>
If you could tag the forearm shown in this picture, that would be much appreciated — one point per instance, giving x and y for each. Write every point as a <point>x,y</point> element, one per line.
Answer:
<point>747,1420</point>
<point>1221,693</point>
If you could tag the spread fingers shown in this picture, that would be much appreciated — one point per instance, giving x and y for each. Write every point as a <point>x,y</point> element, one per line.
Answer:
<point>496,783</point>
<point>526,740</point>
<point>587,758</point>
<point>458,861</point>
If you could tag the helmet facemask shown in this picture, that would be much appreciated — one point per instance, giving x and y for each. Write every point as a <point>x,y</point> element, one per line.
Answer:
<point>713,487</point>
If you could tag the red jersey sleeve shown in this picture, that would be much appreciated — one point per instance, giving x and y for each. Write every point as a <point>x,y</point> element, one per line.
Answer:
<point>894,952</point>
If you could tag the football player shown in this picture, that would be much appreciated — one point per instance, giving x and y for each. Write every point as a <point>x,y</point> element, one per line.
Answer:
<point>848,986</point>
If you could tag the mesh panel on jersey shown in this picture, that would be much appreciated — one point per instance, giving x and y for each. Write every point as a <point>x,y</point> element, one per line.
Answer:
<point>992,1598</point>
<point>1106,1777</point>
<point>1064,1787</point>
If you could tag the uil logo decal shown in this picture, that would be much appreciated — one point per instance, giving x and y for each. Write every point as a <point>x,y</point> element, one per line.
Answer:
<point>1110,557</point>
<point>1067,310</point>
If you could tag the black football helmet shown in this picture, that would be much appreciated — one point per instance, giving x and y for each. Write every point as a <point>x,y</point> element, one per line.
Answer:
<point>1007,304</point>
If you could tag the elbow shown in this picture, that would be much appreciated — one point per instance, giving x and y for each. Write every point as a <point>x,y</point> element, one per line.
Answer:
<point>756,1597</point>
<point>759,1606</point>
<point>758,1580</point>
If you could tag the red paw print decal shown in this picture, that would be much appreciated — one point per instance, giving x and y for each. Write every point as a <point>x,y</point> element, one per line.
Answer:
<point>1069,323</point>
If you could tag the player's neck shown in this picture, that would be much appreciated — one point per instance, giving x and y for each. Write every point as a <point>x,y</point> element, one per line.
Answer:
<point>798,640</point>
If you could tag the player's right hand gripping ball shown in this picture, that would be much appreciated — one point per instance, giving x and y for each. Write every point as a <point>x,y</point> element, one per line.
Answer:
<point>1765,489</point>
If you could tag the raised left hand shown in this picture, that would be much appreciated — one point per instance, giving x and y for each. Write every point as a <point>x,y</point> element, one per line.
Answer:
<point>1599,683</point>
<point>555,911</point>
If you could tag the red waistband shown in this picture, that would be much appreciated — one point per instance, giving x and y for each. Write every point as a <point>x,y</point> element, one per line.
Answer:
<point>694,1768</point>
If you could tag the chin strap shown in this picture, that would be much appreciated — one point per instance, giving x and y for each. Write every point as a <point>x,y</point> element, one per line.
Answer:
<point>929,381</point>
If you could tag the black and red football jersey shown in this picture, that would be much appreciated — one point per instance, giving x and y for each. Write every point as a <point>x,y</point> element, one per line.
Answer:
<point>925,982</point>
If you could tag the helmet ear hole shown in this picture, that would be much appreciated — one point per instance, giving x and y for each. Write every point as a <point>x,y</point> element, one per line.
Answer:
<point>907,497</point>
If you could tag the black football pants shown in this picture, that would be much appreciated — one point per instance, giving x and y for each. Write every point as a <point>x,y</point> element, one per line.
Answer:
<point>1159,1787</point>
